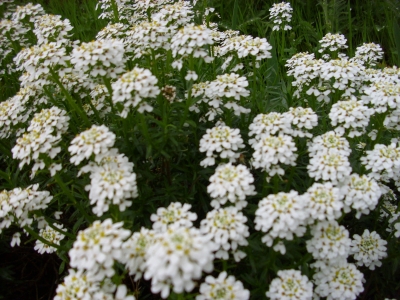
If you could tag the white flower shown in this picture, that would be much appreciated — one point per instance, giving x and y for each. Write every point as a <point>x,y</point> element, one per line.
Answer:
<point>175,214</point>
<point>50,119</point>
<point>135,249</point>
<point>37,61</point>
<point>281,216</point>
<point>330,242</point>
<point>351,116</point>
<point>290,285</point>
<point>231,183</point>
<point>223,287</point>
<point>383,161</point>
<point>333,42</point>
<point>229,86</point>
<point>341,282</point>
<point>223,140</point>
<point>302,119</point>
<point>362,193</point>
<point>50,28</point>
<point>383,95</point>
<point>97,140</point>
<point>281,15</point>
<point>18,204</point>
<point>331,165</point>
<point>368,249</point>
<point>132,88</point>
<point>101,58</point>
<point>12,113</point>
<point>16,239</point>
<point>111,184</point>
<point>270,124</point>
<point>324,202</point>
<point>96,248</point>
<point>228,230</point>
<point>369,54</point>
<point>190,40</point>
<point>179,13</point>
<point>29,11</point>
<point>178,256</point>
<point>329,140</point>
<point>77,285</point>
<point>191,75</point>
<point>146,37</point>
<point>271,151</point>
<point>245,45</point>
<point>51,235</point>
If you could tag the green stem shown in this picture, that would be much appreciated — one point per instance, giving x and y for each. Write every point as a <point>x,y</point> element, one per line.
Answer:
<point>70,100</point>
<point>71,197</point>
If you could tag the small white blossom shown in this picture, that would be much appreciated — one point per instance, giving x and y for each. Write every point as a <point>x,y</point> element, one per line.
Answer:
<point>272,151</point>
<point>97,140</point>
<point>228,230</point>
<point>177,257</point>
<point>330,242</point>
<point>222,141</point>
<point>281,216</point>
<point>51,235</point>
<point>368,249</point>
<point>290,285</point>
<point>333,42</point>
<point>175,214</point>
<point>340,282</point>
<point>281,15</point>
<point>96,248</point>
<point>132,88</point>
<point>324,201</point>
<point>362,193</point>
<point>351,116</point>
<point>383,161</point>
<point>231,183</point>
<point>223,287</point>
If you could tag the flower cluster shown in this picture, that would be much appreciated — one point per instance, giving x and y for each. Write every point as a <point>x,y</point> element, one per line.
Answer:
<point>233,183</point>
<point>178,256</point>
<point>383,161</point>
<point>50,28</point>
<point>18,205</point>
<point>329,157</point>
<point>368,249</point>
<point>132,88</point>
<point>77,285</point>
<point>96,248</point>
<point>228,230</point>
<point>330,242</point>
<point>281,15</point>
<point>369,54</point>
<point>245,45</point>
<point>341,281</point>
<point>350,116</point>
<point>222,287</point>
<point>190,41</point>
<point>174,215</point>
<point>281,216</point>
<point>362,193</point>
<point>41,138</point>
<point>50,235</point>
<point>290,284</point>
<point>333,42</point>
<point>97,140</point>
<point>100,58</point>
<point>223,140</point>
